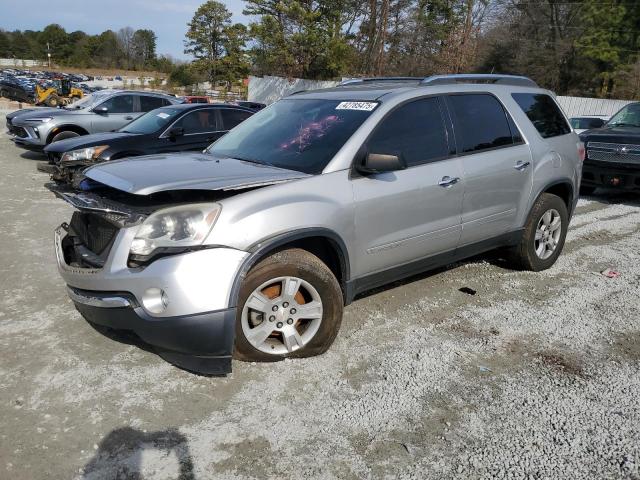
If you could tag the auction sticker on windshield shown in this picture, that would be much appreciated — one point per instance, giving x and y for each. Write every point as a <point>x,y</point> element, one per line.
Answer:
<point>163,115</point>
<point>364,106</point>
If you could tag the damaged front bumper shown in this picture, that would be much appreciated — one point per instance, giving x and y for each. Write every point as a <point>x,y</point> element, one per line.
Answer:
<point>181,304</point>
<point>201,343</point>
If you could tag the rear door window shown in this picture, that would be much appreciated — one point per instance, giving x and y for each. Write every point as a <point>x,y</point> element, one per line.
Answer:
<point>415,130</point>
<point>119,104</point>
<point>200,121</point>
<point>148,103</point>
<point>481,123</point>
<point>232,117</point>
<point>543,113</point>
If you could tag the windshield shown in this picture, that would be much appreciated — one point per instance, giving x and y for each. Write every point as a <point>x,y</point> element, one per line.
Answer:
<point>85,101</point>
<point>152,121</point>
<point>629,116</point>
<point>296,134</point>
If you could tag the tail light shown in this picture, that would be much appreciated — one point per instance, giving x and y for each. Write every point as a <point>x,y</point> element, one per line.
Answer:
<point>581,151</point>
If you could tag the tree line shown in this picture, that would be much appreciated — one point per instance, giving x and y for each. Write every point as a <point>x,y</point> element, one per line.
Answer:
<point>574,47</point>
<point>127,48</point>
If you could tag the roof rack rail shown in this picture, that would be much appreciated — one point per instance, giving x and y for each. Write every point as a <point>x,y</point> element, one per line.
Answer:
<point>354,81</point>
<point>515,80</point>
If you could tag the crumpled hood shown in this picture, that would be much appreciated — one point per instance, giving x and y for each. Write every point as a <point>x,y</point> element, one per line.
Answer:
<point>84,141</point>
<point>186,171</point>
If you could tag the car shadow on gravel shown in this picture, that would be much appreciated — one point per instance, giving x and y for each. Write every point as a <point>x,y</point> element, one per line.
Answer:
<point>122,336</point>
<point>128,337</point>
<point>28,155</point>
<point>610,196</point>
<point>119,454</point>
<point>497,258</point>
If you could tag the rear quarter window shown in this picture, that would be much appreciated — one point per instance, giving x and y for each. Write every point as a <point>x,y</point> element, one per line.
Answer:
<point>481,123</point>
<point>543,113</point>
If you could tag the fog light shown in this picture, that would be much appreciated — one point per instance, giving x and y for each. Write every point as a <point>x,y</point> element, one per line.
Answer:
<point>155,300</point>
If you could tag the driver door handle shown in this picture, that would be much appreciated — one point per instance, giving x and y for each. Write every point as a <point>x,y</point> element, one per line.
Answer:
<point>447,181</point>
<point>128,118</point>
<point>520,166</point>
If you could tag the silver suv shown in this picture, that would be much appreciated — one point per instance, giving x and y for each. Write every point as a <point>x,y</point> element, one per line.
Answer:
<point>102,111</point>
<point>253,248</point>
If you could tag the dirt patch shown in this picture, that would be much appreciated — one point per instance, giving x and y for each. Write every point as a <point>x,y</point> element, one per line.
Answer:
<point>626,346</point>
<point>561,362</point>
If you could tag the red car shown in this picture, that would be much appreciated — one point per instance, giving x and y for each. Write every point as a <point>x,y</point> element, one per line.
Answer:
<point>195,99</point>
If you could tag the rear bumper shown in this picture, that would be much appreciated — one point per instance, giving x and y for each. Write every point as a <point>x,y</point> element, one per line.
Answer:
<point>201,343</point>
<point>612,176</point>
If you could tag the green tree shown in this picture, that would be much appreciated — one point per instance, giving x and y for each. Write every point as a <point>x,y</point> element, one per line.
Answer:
<point>5,44</point>
<point>215,42</point>
<point>182,75</point>
<point>300,38</point>
<point>144,47</point>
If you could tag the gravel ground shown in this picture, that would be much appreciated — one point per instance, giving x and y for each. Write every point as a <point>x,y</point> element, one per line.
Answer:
<point>535,376</point>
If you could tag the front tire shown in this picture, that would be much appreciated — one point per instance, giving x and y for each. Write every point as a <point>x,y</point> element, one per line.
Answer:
<point>64,136</point>
<point>290,305</point>
<point>544,234</point>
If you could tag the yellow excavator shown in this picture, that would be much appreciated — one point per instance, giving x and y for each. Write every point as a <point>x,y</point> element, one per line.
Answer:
<point>62,94</point>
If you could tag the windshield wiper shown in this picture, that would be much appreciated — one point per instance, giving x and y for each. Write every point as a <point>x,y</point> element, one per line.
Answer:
<point>250,160</point>
<point>622,124</point>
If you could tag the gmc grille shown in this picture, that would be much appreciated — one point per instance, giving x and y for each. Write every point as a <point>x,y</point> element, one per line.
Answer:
<point>613,152</point>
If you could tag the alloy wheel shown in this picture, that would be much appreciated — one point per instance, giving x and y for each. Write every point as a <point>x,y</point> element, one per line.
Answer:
<point>282,315</point>
<point>548,233</point>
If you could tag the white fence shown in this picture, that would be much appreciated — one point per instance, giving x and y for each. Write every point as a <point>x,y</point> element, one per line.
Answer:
<point>576,106</point>
<point>19,63</point>
<point>270,89</point>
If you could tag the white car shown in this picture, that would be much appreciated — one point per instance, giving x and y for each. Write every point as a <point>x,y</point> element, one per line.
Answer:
<point>587,122</point>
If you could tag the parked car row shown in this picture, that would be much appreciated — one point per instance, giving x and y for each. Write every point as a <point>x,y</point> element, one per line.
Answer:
<point>175,128</point>
<point>17,89</point>
<point>252,247</point>
<point>20,86</point>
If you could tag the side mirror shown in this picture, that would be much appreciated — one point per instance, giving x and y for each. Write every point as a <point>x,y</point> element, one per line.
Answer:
<point>381,163</point>
<point>176,132</point>
<point>101,110</point>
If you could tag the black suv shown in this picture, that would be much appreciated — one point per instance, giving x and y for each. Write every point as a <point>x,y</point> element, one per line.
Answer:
<point>613,152</point>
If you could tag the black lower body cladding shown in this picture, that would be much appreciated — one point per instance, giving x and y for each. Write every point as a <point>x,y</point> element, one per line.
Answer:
<point>201,343</point>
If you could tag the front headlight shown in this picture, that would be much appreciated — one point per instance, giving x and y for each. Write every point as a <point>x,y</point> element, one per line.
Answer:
<point>184,226</point>
<point>90,153</point>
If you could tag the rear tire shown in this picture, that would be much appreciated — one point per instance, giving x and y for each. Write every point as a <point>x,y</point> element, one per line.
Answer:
<point>544,235</point>
<point>64,136</point>
<point>273,323</point>
<point>584,190</point>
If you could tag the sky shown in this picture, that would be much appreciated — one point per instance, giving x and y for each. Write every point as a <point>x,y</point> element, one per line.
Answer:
<point>167,18</point>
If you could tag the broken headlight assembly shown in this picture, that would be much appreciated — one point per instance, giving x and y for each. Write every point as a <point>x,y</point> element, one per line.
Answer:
<point>90,153</point>
<point>174,229</point>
